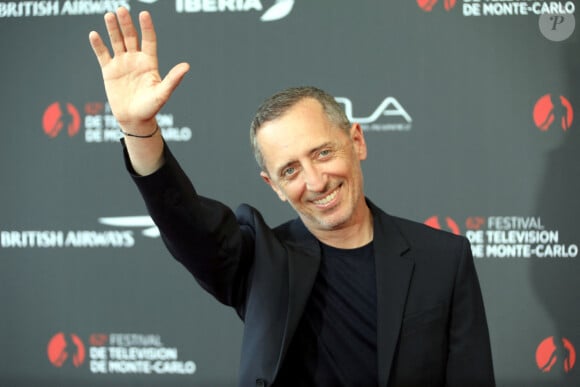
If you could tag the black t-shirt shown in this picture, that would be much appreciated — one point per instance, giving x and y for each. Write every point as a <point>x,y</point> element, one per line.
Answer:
<point>335,343</point>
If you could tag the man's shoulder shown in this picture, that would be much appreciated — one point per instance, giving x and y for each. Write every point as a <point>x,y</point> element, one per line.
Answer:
<point>249,215</point>
<point>417,233</point>
<point>292,231</point>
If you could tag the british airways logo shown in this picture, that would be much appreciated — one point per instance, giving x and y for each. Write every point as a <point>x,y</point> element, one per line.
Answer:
<point>144,222</point>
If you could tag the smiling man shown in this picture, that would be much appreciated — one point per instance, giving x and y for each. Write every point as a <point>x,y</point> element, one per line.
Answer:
<point>343,295</point>
<point>314,164</point>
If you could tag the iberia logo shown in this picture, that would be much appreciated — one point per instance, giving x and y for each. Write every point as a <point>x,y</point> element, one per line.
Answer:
<point>427,5</point>
<point>552,352</point>
<point>550,111</point>
<point>448,224</point>
<point>59,116</point>
<point>62,348</point>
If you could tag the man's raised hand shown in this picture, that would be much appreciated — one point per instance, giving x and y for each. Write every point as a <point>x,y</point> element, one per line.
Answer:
<point>135,90</point>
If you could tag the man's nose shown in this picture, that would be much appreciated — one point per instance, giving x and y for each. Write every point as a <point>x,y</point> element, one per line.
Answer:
<point>314,178</point>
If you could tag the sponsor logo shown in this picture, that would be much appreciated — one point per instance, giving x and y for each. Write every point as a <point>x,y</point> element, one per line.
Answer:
<point>428,5</point>
<point>516,237</point>
<point>59,116</point>
<point>23,9</point>
<point>508,8</point>
<point>448,224</point>
<point>150,231</point>
<point>83,238</point>
<point>44,239</point>
<point>64,348</point>
<point>99,125</point>
<point>119,353</point>
<point>278,10</point>
<point>552,111</point>
<point>554,353</point>
<point>390,115</point>
<point>508,237</point>
<point>67,239</point>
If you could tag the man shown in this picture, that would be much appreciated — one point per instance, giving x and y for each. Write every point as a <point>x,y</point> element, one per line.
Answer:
<point>345,295</point>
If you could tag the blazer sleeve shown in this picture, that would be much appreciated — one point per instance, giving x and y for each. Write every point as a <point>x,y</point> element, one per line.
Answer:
<point>201,233</point>
<point>469,360</point>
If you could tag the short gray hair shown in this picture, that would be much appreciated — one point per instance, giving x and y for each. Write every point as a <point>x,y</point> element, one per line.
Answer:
<point>279,103</point>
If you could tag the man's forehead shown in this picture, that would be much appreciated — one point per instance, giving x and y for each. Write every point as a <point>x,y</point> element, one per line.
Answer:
<point>305,111</point>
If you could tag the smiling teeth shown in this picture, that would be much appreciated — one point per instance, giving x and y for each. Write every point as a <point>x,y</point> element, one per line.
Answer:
<point>326,199</point>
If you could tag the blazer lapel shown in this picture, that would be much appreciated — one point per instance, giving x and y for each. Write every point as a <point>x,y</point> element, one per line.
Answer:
<point>303,264</point>
<point>393,273</point>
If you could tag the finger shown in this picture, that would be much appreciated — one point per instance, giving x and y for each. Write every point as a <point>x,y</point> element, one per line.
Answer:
<point>149,38</point>
<point>101,51</point>
<point>128,29</point>
<point>115,35</point>
<point>172,79</point>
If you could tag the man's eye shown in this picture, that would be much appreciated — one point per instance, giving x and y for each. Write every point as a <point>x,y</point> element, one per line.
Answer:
<point>324,153</point>
<point>288,172</point>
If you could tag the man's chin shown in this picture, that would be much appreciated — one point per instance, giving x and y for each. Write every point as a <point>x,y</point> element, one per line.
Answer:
<point>328,223</point>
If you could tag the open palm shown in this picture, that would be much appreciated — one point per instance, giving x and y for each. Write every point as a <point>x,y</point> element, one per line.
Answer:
<point>135,90</point>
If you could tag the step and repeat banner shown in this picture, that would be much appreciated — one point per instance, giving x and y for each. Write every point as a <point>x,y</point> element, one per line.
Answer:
<point>469,110</point>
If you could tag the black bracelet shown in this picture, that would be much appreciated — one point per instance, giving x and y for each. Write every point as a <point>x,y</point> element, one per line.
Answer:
<point>141,136</point>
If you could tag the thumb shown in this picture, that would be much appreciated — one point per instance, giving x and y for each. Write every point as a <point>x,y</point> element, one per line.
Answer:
<point>173,79</point>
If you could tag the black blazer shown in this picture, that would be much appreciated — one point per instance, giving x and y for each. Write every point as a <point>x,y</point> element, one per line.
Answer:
<point>431,329</point>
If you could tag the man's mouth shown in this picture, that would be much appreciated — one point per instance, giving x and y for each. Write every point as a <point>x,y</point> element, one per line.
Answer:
<point>327,199</point>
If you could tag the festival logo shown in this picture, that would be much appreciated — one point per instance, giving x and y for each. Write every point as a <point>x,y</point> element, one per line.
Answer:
<point>428,5</point>
<point>508,237</point>
<point>119,353</point>
<point>448,224</point>
<point>555,353</point>
<point>59,116</point>
<point>99,124</point>
<point>550,111</point>
<point>560,12</point>
<point>63,348</point>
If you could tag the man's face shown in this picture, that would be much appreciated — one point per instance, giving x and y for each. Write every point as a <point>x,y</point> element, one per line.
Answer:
<point>315,166</point>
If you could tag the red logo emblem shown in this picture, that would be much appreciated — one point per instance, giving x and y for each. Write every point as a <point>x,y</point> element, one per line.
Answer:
<point>63,347</point>
<point>551,352</point>
<point>427,5</point>
<point>61,116</point>
<point>98,339</point>
<point>550,111</point>
<point>449,225</point>
<point>474,222</point>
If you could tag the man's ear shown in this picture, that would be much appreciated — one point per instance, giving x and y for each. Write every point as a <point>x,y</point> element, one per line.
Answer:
<point>358,139</point>
<point>272,185</point>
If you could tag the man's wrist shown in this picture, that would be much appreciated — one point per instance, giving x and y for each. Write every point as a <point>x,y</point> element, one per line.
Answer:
<point>141,135</point>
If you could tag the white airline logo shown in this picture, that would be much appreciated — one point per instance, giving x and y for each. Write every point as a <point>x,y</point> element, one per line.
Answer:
<point>279,10</point>
<point>146,222</point>
<point>389,107</point>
